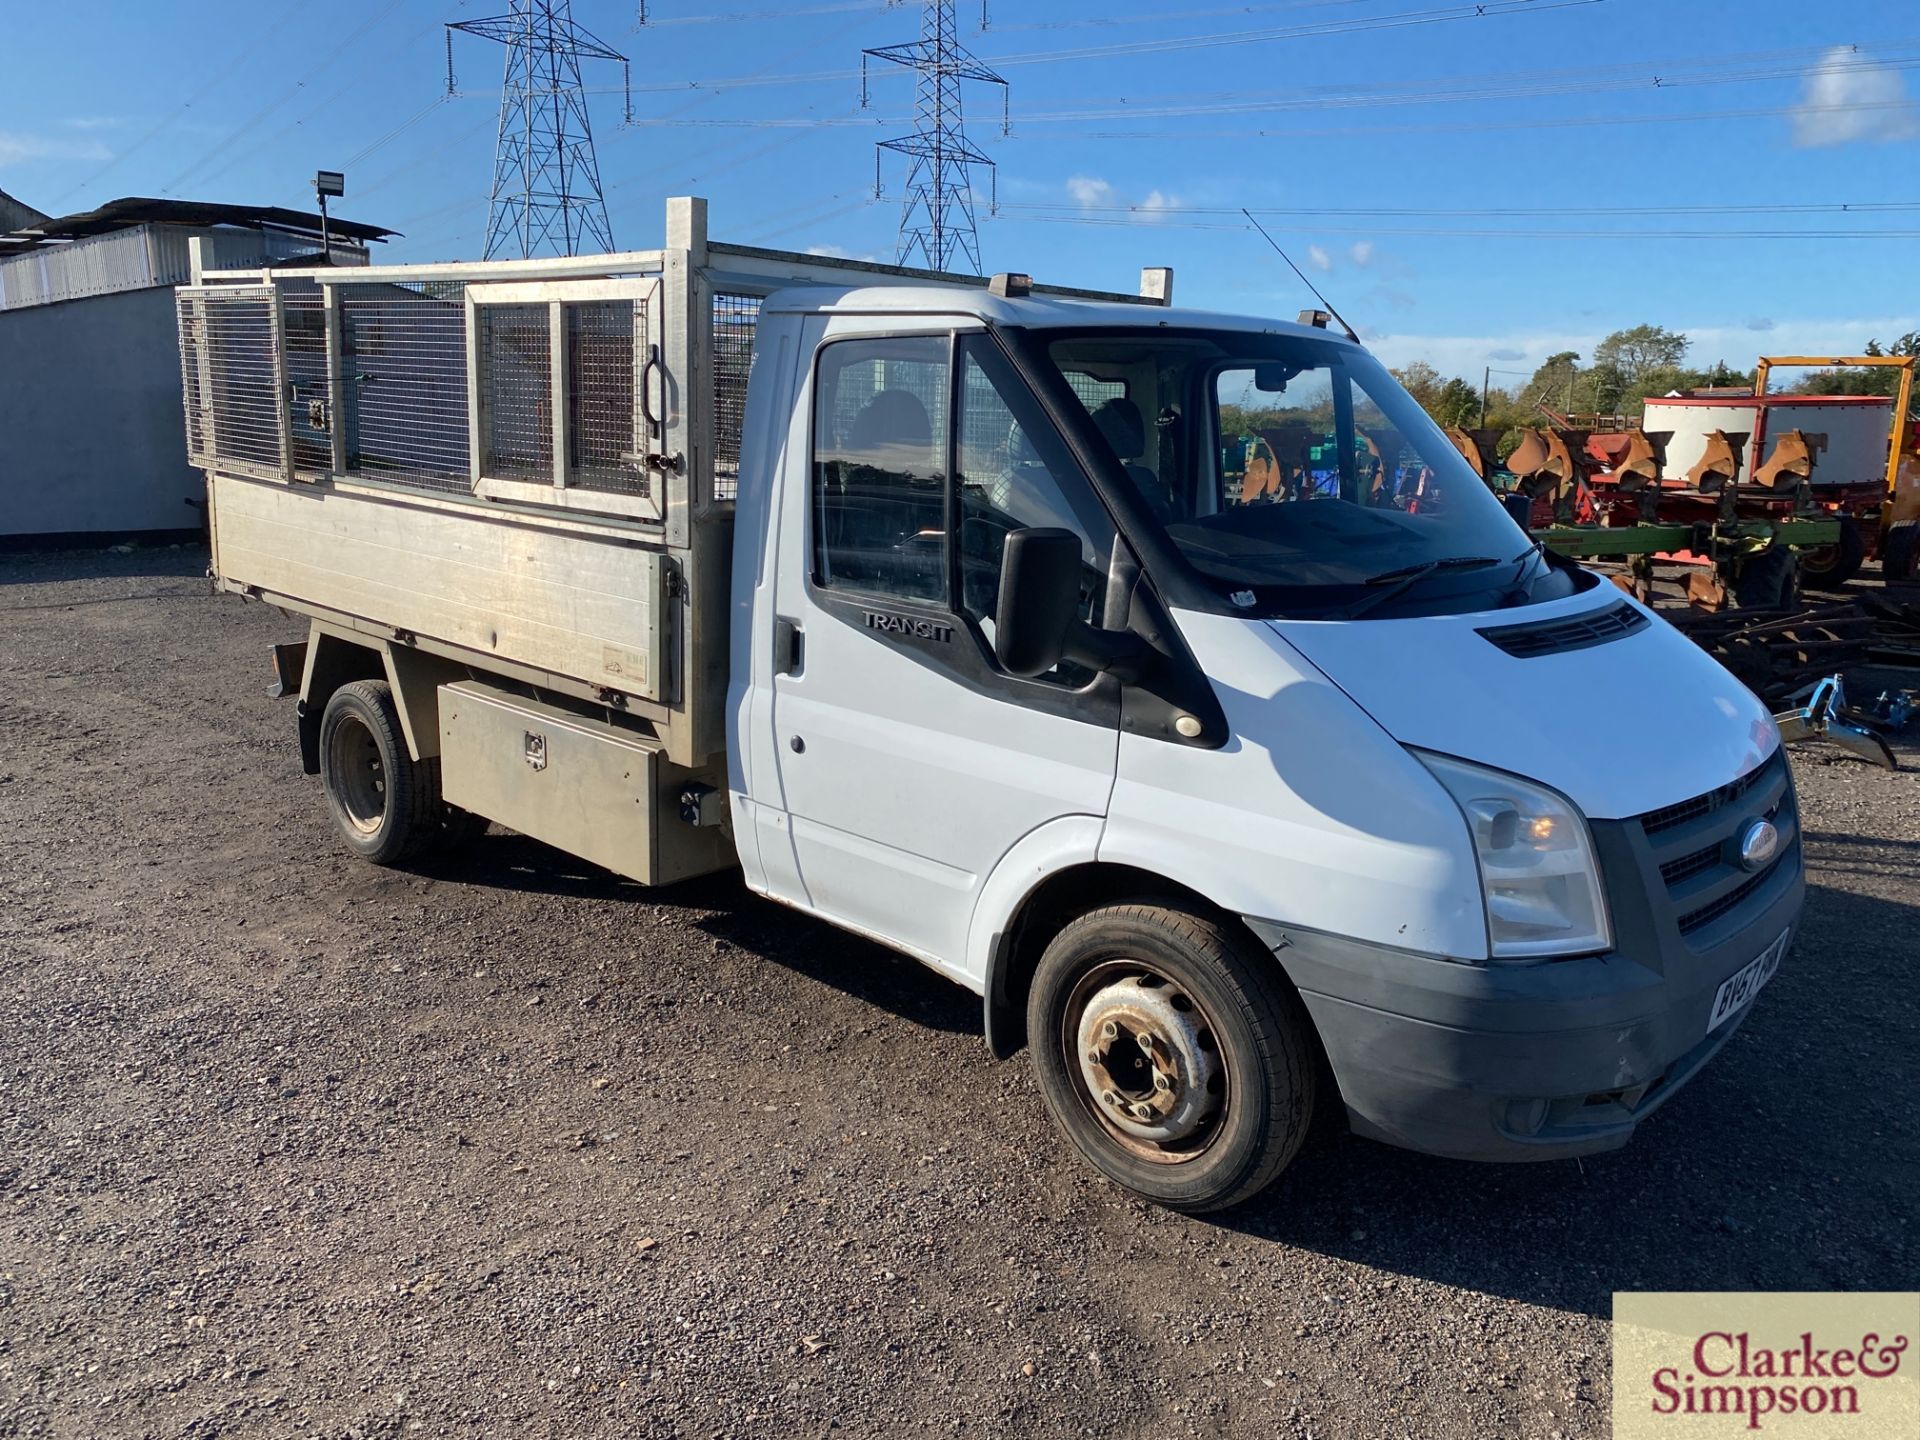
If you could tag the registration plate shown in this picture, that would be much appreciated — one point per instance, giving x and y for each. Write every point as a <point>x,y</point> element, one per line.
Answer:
<point>1746,982</point>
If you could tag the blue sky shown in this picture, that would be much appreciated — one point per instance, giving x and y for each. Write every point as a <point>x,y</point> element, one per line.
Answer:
<point>1531,153</point>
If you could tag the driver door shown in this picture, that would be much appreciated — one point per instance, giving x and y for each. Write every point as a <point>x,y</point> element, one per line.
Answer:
<point>909,762</point>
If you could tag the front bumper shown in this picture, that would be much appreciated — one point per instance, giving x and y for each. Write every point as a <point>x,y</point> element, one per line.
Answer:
<point>1556,1058</point>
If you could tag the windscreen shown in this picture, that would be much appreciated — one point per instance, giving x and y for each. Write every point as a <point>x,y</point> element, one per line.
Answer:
<point>1293,474</point>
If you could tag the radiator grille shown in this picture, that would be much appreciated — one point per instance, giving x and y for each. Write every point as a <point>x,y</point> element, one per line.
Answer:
<point>1704,916</point>
<point>1675,872</point>
<point>1695,846</point>
<point>1654,821</point>
<point>735,320</point>
<point>406,390</point>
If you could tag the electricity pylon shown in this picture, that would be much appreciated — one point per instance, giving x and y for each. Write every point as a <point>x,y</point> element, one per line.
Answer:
<point>937,220</point>
<point>546,197</point>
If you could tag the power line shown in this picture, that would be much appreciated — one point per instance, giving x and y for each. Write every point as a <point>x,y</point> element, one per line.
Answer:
<point>1464,127</point>
<point>1108,21</point>
<point>1620,78</point>
<point>328,104</point>
<point>656,21</point>
<point>1488,212</point>
<point>246,54</point>
<point>1500,233</point>
<point>1487,9</point>
<point>217,150</point>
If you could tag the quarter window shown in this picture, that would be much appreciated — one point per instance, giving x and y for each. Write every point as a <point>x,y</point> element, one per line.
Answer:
<point>1015,473</point>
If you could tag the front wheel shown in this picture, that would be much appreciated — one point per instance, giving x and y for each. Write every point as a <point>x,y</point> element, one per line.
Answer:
<point>1173,1053</point>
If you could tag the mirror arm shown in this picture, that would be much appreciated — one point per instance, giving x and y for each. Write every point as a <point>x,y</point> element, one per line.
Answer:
<point>1119,653</point>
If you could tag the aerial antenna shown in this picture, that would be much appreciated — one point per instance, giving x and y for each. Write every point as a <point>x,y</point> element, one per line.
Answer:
<point>1326,303</point>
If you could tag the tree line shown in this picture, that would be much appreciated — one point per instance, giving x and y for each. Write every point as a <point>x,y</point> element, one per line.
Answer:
<point>1624,369</point>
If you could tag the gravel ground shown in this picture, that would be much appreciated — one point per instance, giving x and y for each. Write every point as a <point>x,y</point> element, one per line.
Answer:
<point>290,1145</point>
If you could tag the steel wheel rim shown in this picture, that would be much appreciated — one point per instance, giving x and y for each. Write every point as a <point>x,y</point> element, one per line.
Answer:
<point>359,779</point>
<point>1160,1090</point>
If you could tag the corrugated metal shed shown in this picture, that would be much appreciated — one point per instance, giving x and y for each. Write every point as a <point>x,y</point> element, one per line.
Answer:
<point>137,244</point>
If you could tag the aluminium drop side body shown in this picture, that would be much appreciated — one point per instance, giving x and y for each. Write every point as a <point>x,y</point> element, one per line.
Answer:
<point>504,495</point>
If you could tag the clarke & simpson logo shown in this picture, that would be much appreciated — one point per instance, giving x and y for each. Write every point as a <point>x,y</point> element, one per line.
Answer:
<point>1800,1365</point>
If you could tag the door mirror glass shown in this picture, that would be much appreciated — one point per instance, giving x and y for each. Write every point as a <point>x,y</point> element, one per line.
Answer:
<point>1039,602</point>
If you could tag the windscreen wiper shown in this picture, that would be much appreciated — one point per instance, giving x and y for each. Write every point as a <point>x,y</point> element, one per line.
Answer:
<point>1396,582</point>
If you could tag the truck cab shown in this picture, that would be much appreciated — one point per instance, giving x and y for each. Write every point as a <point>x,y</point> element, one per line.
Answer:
<point>1017,640</point>
<point>1165,678</point>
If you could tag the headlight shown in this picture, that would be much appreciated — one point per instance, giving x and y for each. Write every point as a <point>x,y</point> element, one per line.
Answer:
<point>1537,867</point>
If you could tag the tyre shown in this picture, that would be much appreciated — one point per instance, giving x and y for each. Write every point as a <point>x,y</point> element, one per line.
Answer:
<point>1900,554</point>
<point>1768,580</point>
<point>1832,566</point>
<point>386,804</point>
<point>1173,1053</point>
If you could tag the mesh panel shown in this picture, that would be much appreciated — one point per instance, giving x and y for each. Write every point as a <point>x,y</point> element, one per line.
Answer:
<point>1095,393</point>
<point>406,362</point>
<point>862,379</point>
<point>227,359</point>
<point>304,309</point>
<point>601,453</point>
<point>986,427</point>
<point>515,351</point>
<point>734,320</point>
<point>191,310</point>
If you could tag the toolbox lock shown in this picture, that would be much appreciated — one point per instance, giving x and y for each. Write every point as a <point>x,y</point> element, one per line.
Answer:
<point>535,749</point>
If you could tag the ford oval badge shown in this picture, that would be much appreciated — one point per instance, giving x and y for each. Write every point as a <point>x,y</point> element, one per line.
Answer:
<point>1759,843</point>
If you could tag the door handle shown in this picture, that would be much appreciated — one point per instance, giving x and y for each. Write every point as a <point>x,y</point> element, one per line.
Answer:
<point>789,646</point>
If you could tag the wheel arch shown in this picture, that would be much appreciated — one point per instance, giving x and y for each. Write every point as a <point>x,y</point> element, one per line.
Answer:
<point>333,660</point>
<point>336,658</point>
<point>1058,897</point>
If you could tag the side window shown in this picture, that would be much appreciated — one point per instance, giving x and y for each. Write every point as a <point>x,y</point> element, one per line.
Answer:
<point>879,467</point>
<point>1015,472</point>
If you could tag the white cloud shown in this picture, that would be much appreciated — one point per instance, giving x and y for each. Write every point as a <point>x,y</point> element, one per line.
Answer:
<point>1089,190</point>
<point>15,147</point>
<point>1362,253</point>
<point>94,122</point>
<point>1843,101</point>
<point>1319,259</point>
<point>835,252</point>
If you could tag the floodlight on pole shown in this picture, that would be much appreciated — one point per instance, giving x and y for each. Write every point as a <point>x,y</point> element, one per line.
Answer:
<point>325,183</point>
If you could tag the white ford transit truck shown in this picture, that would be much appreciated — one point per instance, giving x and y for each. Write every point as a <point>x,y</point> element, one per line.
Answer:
<point>1165,678</point>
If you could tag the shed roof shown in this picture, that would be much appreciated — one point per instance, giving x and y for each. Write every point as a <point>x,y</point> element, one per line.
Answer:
<point>16,213</point>
<point>134,210</point>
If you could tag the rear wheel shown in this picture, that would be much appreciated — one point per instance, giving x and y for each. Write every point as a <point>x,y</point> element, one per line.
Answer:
<point>386,804</point>
<point>1832,566</point>
<point>1173,1053</point>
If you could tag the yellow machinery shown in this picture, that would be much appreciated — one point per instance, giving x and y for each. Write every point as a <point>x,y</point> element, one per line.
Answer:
<point>1901,510</point>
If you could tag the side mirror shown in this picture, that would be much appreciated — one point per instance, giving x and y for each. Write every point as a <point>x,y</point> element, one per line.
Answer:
<point>1039,599</point>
